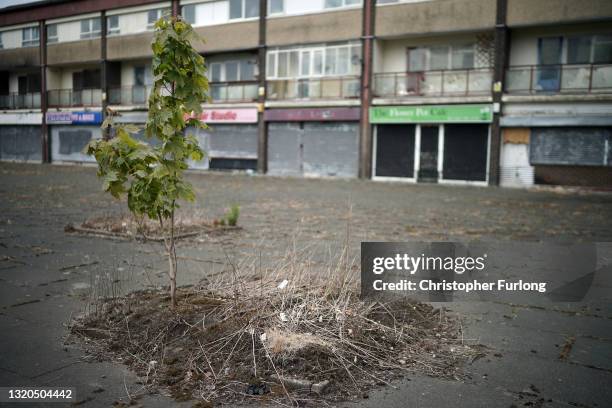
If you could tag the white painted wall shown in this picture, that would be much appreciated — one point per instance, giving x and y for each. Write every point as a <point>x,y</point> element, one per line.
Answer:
<point>70,31</point>
<point>13,82</point>
<point>211,13</point>
<point>54,78</point>
<point>132,23</point>
<point>11,38</point>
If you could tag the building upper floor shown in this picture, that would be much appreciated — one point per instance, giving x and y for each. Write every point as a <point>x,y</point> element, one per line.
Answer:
<point>313,50</point>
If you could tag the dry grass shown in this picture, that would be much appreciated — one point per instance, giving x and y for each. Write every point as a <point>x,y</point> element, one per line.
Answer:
<point>251,327</point>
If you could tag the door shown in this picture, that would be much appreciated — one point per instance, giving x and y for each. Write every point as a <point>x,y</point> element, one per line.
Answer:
<point>395,151</point>
<point>549,59</point>
<point>428,155</point>
<point>77,88</point>
<point>415,73</point>
<point>138,91</point>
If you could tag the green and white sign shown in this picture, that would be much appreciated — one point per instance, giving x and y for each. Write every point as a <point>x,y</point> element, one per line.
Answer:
<point>481,113</point>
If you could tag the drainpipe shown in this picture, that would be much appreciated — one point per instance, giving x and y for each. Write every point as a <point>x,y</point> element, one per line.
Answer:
<point>104,72</point>
<point>502,43</point>
<point>45,146</point>
<point>175,8</point>
<point>365,136</point>
<point>262,129</point>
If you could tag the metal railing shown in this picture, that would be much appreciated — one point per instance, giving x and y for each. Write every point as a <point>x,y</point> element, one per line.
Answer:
<point>569,78</point>
<point>244,91</point>
<point>314,88</point>
<point>20,101</point>
<point>451,82</point>
<point>129,95</point>
<point>74,98</point>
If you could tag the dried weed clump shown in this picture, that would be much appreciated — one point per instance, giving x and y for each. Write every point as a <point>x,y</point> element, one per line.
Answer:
<point>296,332</point>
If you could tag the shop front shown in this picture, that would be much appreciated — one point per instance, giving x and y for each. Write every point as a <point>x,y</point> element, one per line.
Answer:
<point>230,139</point>
<point>433,143</point>
<point>313,142</point>
<point>21,137</point>
<point>71,132</point>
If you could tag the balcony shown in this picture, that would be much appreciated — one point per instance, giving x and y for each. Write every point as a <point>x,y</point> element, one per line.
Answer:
<point>129,95</point>
<point>20,101</point>
<point>437,83</point>
<point>221,92</point>
<point>559,79</point>
<point>67,98</point>
<point>314,88</point>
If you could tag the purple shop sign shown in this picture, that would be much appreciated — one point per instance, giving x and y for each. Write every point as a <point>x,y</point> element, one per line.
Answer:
<point>312,115</point>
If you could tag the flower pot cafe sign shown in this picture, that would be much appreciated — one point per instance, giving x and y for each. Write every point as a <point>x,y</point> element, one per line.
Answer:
<point>479,113</point>
<point>74,118</point>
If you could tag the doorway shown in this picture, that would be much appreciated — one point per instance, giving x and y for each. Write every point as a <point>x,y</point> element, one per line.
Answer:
<point>428,154</point>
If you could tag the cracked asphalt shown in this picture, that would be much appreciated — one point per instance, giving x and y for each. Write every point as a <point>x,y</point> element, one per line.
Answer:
<point>46,275</point>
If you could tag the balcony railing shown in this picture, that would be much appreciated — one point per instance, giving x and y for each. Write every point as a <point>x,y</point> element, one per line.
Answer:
<point>452,82</point>
<point>233,91</point>
<point>129,95</point>
<point>314,88</point>
<point>571,78</point>
<point>65,98</point>
<point>20,101</point>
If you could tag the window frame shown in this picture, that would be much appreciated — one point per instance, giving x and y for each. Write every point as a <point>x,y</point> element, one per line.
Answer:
<point>84,35</point>
<point>242,11</point>
<point>320,54</point>
<point>110,30</point>
<point>52,39</point>
<point>31,41</point>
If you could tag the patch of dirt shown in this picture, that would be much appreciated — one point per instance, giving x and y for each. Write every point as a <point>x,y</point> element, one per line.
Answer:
<point>303,344</point>
<point>131,227</point>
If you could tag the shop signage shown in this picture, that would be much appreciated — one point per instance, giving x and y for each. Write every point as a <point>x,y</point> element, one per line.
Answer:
<point>229,115</point>
<point>482,113</point>
<point>312,115</point>
<point>74,118</point>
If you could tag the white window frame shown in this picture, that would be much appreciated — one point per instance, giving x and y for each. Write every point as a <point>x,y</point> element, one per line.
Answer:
<point>594,39</point>
<point>51,39</point>
<point>242,13</point>
<point>110,29</point>
<point>311,70</point>
<point>449,56</point>
<point>91,33</point>
<point>276,13</point>
<point>343,5</point>
<point>31,41</point>
<point>160,12</point>
<point>223,65</point>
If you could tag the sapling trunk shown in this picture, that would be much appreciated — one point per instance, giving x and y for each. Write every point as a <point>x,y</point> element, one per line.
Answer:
<point>152,174</point>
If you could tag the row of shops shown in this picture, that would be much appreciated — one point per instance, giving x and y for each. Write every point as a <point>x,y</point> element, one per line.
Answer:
<point>435,143</point>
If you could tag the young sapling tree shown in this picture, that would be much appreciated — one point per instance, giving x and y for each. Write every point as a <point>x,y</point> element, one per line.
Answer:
<point>152,175</point>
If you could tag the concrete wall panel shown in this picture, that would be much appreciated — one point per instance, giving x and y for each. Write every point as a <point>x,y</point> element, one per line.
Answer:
<point>19,57</point>
<point>130,46</point>
<point>73,52</point>
<point>530,12</point>
<point>434,17</point>
<point>313,28</point>
<point>227,37</point>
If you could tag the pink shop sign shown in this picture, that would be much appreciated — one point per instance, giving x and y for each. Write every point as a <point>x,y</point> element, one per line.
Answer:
<point>228,116</point>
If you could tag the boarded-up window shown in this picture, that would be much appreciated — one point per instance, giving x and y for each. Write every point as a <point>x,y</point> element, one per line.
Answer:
<point>516,135</point>
<point>20,143</point>
<point>571,146</point>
